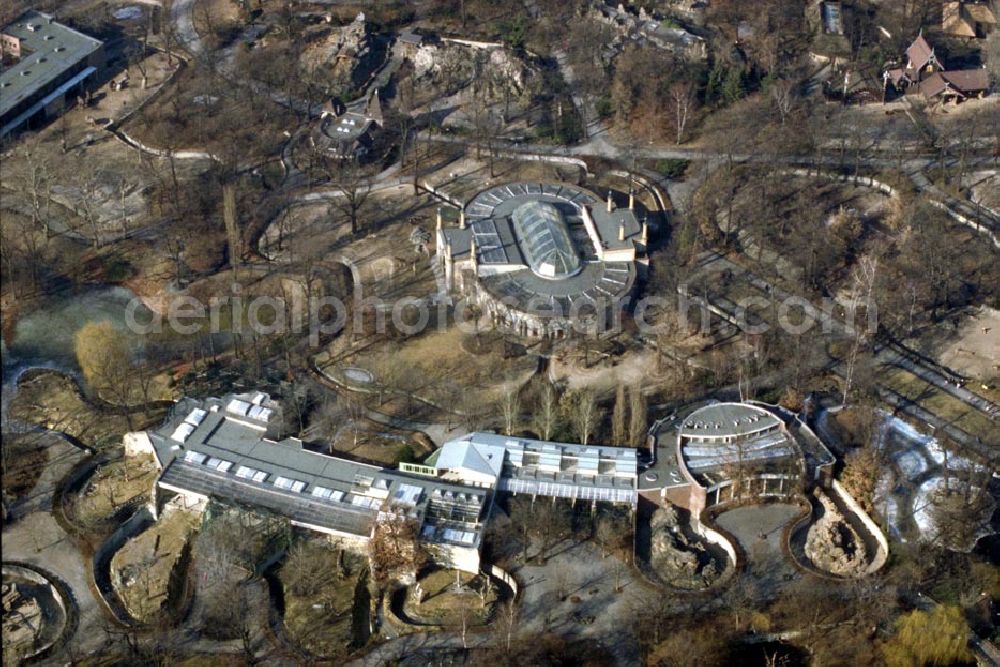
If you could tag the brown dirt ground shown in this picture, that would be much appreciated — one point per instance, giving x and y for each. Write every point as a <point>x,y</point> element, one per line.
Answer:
<point>52,400</point>
<point>154,551</point>
<point>113,485</point>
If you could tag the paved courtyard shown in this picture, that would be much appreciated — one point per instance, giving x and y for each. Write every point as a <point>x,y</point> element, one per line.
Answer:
<point>759,530</point>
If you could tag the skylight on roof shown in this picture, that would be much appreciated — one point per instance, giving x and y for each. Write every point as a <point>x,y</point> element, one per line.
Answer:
<point>238,407</point>
<point>182,432</point>
<point>195,417</point>
<point>192,456</point>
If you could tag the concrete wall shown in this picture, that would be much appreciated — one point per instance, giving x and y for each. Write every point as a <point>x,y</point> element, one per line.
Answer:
<point>506,578</point>
<point>882,552</point>
<point>138,444</point>
<point>137,523</point>
<point>715,537</point>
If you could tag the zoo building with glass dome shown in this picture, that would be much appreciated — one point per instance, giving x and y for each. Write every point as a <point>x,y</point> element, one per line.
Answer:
<point>543,259</point>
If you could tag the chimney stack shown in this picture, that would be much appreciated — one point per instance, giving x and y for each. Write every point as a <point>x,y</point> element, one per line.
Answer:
<point>631,200</point>
<point>645,233</point>
<point>461,218</point>
<point>610,203</point>
<point>448,264</point>
<point>439,219</point>
<point>621,231</point>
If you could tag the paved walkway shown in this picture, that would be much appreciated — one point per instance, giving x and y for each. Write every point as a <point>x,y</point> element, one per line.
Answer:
<point>759,530</point>
<point>35,537</point>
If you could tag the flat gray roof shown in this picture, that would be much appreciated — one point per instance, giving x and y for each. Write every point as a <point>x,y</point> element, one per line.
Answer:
<point>329,492</point>
<point>48,48</point>
<point>736,419</point>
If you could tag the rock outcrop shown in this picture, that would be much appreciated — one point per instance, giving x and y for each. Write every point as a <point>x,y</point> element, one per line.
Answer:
<point>678,559</point>
<point>832,544</point>
<point>22,617</point>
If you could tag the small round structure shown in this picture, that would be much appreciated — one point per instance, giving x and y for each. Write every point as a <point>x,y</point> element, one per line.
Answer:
<point>541,259</point>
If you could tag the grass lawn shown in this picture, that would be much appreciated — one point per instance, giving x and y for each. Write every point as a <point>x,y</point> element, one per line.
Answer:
<point>147,561</point>
<point>436,366</point>
<point>52,400</point>
<point>944,405</point>
<point>374,442</point>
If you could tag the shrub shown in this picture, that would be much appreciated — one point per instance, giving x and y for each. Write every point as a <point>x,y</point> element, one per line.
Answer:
<point>672,167</point>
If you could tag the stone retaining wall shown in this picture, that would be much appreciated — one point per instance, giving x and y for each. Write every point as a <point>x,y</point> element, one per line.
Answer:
<point>724,542</point>
<point>135,524</point>
<point>506,578</point>
<point>646,183</point>
<point>882,552</point>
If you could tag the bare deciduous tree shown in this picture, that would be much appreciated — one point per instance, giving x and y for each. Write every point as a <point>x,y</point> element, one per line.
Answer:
<point>510,405</point>
<point>547,415</point>
<point>684,98</point>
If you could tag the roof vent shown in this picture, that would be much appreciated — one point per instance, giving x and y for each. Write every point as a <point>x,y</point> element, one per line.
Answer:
<point>47,37</point>
<point>25,72</point>
<point>59,49</point>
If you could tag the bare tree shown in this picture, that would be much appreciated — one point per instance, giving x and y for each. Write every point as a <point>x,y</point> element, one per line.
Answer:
<point>865,273</point>
<point>510,405</point>
<point>508,623</point>
<point>782,94</point>
<point>232,228</point>
<point>637,423</point>
<point>355,186</point>
<point>618,433</point>
<point>547,415</point>
<point>581,408</point>
<point>684,98</point>
<point>395,546</point>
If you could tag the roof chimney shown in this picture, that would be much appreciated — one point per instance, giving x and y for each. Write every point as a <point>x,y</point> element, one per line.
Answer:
<point>645,233</point>
<point>461,218</point>
<point>438,220</point>
<point>610,203</point>
<point>472,251</point>
<point>621,231</point>
<point>631,199</point>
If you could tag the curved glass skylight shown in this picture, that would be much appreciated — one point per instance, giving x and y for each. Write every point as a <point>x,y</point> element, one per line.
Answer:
<point>544,240</point>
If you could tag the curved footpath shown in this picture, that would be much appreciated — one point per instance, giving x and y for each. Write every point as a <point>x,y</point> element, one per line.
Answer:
<point>36,538</point>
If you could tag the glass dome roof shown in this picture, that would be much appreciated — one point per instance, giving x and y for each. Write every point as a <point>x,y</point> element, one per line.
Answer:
<point>544,240</point>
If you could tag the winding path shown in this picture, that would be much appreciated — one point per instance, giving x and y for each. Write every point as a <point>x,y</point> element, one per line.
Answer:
<point>36,537</point>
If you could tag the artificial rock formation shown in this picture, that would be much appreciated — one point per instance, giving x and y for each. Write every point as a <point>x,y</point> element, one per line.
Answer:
<point>22,617</point>
<point>677,559</point>
<point>832,544</point>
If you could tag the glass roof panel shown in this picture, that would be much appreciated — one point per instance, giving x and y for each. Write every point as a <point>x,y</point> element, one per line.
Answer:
<point>544,240</point>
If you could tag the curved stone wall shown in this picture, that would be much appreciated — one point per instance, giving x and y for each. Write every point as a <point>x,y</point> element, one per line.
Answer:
<point>882,551</point>
<point>60,594</point>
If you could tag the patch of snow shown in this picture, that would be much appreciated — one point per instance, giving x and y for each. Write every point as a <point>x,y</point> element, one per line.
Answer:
<point>923,506</point>
<point>358,375</point>
<point>905,430</point>
<point>955,462</point>
<point>130,13</point>
<point>910,463</point>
